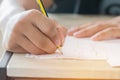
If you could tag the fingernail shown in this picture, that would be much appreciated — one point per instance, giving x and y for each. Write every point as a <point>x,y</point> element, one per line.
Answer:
<point>95,38</point>
<point>77,34</point>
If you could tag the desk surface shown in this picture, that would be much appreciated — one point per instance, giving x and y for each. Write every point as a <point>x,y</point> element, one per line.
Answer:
<point>20,66</point>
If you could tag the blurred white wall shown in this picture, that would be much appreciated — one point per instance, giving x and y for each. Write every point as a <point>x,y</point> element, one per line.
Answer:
<point>0,1</point>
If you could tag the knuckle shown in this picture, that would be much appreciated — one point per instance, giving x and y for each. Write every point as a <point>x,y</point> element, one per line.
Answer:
<point>33,12</point>
<point>19,23</point>
<point>18,26</point>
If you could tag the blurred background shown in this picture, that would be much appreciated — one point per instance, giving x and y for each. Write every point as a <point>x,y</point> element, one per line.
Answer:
<point>0,1</point>
<point>106,7</point>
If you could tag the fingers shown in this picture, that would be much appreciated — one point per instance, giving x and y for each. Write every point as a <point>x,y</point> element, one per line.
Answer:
<point>92,29</point>
<point>99,31</point>
<point>62,32</point>
<point>46,26</point>
<point>29,46</point>
<point>9,43</point>
<point>76,29</point>
<point>88,31</point>
<point>38,39</point>
<point>108,33</point>
<point>16,49</point>
<point>34,35</point>
<point>20,50</point>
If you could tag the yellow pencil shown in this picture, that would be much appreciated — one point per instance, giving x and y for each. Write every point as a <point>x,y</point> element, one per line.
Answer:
<point>42,8</point>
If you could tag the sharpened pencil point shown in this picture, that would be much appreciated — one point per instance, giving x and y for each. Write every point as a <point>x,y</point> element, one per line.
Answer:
<point>59,48</point>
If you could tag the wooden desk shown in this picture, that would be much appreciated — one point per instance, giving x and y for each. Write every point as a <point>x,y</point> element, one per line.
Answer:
<point>22,68</point>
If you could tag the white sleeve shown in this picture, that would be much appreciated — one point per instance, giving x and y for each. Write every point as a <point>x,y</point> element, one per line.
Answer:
<point>6,12</point>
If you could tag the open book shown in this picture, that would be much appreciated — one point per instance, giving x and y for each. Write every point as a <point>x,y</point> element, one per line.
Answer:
<point>84,48</point>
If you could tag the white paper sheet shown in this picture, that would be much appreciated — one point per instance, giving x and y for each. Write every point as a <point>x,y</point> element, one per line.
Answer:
<point>84,48</point>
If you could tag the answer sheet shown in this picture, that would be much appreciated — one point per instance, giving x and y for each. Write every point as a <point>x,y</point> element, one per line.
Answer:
<point>85,48</point>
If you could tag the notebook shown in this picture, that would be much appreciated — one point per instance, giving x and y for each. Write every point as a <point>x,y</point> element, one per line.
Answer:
<point>85,48</point>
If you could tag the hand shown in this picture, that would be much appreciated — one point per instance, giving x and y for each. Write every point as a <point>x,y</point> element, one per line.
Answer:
<point>98,31</point>
<point>32,32</point>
